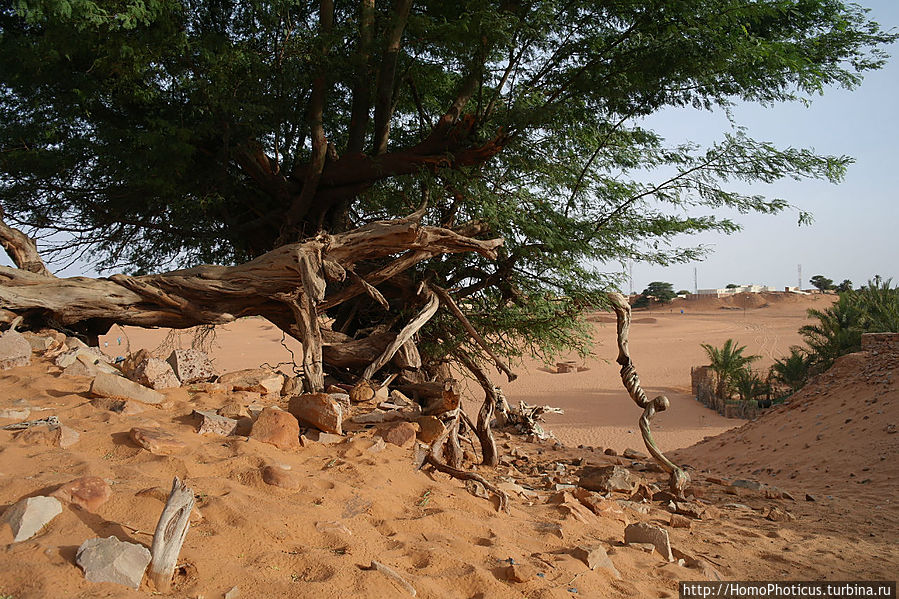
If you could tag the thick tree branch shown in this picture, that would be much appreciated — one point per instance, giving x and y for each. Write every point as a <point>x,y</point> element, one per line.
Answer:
<point>22,249</point>
<point>362,89</point>
<point>384,101</point>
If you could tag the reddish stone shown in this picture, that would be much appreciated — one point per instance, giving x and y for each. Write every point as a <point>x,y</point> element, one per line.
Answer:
<point>277,428</point>
<point>401,433</point>
<point>87,492</point>
<point>156,441</point>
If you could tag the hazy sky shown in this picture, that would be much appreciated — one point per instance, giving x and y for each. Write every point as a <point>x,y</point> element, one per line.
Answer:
<point>855,233</point>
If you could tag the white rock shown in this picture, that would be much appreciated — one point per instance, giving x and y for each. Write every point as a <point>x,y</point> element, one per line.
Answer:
<point>14,350</point>
<point>118,387</point>
<point>28,516</point>
<point>112,560</point>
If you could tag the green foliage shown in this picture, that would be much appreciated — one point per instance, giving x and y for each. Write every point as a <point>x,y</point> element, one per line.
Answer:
<point>731,286</point>
<point>793,370</point>
<point>642,301</point>
<point>171,132</point>
<point>749,384</point>
<point>662,292</point>
<point>821,282</point>
<point>872,309</point>
<point>683,292</point>
<point>846,285</point>
<point>727,363</point>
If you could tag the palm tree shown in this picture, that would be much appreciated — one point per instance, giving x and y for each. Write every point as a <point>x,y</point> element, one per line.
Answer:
<point>726,363</point>
<point>793,370</point>
<point>749,384</point>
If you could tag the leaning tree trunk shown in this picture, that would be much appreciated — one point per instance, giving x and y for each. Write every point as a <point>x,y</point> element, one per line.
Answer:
<point>286,285</point>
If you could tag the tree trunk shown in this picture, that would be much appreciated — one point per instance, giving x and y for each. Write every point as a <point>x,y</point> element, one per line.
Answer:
<point>286,285</point>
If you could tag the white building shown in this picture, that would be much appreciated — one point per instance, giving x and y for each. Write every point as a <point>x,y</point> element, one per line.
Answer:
<point>728,291</point>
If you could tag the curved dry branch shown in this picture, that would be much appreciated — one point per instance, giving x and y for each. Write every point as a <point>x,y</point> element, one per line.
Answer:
<point>22,249</point>
<point>679,478</point>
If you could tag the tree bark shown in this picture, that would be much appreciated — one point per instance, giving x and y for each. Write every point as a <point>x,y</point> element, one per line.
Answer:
<point>171,530</point>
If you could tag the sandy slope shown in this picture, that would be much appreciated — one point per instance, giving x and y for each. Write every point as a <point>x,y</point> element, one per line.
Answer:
<point>353,506</point>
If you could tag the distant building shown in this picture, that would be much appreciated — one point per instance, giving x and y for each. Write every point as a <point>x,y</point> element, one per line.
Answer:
<point>729,291</point>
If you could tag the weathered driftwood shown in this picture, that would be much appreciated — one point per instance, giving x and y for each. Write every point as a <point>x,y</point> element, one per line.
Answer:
<point>434,459</point>
<point>22,249</point>
<point>286,285</point>
<point>170,534</point>
<point>404,335</point>
<point>679,478</point>
<point>489,451</point>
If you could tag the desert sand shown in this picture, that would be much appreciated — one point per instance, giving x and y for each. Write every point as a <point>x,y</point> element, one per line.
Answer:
<point>357,500</point>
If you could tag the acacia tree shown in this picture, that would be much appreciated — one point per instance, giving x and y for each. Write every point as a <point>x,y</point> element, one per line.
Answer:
<point>178,132</point>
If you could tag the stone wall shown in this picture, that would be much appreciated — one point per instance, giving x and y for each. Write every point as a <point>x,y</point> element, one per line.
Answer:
<point>880,342</point>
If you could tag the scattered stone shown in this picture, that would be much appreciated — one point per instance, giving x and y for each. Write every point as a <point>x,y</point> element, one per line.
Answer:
<point>342,399</point>
<point>40,343</point>
<point>777,514</point>
<point>257,380</point>
<point>678,521</point>
<point>119,406</point>
<point>610,451</point>
<point>399,399</point>
<point>644,492</point>
<point>363,391</point>
<point>633,454</point>
<point>318,436</point>
<point>334,527</point>
<point>402,434</point>
<point>48,435</point>
<point>292,386</point>
<point>112,560</point>
<point>210,423</point>
<point>28,516</point>
<point>641,532</point>
<point>207,387</point>
<point>191,366</point>
<point>68,436</point>
<point>280,475</point>
<point>430,429</point>
<point>155,373</point>
<point>519,572</point>
<point>809,497</point>
<point>689,509</point>
<point>317,410</point>
<point>118,387</point>
<point>278,428</point>
<point>87,492</point>
<point>14,350</point>
<point>748,484</point>
<point>369,418</point>
<point>378,446</point>
<point>156,441</point>
<point>233,593</point>
<point>606,479</point>
<point>15,413</point>
<point>233,410</point>
<point>595,557</point>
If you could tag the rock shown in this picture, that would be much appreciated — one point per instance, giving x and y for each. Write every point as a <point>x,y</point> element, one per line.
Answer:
<point>748,484</point>
<point>317,436</point>
<point>155,374</point>
<point>363,391</point>
<point>633,454</point>
<point>14,350</point>
<point>257,380</point>
<point>399,399</point>
<point>234,410</point>
<point>642,532</point>
<point>277,427</point>
<point>112,560</point>
<point>118,387</point>
<point>595,557</point>
<point>120,406</point>
<point>317,410</point>
<point>430,429</point>
<point>606,479</point>
<point>48,435</point>
<point>565,367</point>
<point>369,418</point>
<point>809,497</point>
<point>402,434</point>
<point>279,475</point>
<point>210,423</point>
<point>292,386</point>
<point>678,521</point>
<point>333,527</point>
<point>378,446</point>
<point>15,413</point>
<point>519,573</point>
<point>689,509</point>
<point>341,399</point>
<point>87,492</point>
<point>67,436</point>
<point>610,451</point>
<point>448,400</point>
<point>28,516</point>
<point>233,593</point>
<point>777,514</point>
<point>156,441</point>
<point>40,343</point>
<point>191,366</point>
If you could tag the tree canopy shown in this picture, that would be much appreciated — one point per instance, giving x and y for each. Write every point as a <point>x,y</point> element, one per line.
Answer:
<point>140,135</point>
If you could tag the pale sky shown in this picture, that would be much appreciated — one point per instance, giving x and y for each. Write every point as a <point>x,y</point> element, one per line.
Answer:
<point>855,233</point>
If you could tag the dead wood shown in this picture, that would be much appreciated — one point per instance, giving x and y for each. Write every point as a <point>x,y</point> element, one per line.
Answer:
<point>485,415</point>
<point>170,534</point>
<point>22,249</point>
<point>679,478</point>
<point>405,334</point>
